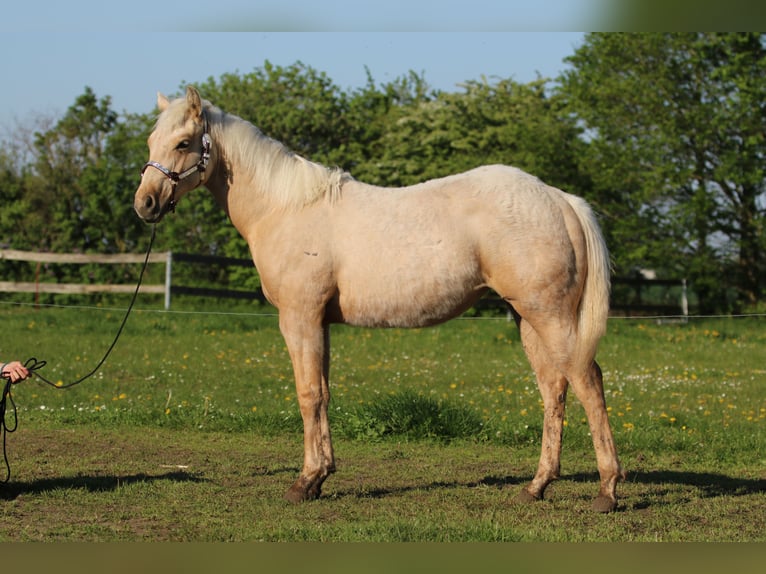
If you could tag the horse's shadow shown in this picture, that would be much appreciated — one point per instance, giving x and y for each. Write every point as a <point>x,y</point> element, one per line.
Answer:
<point>488,481</point>
<point>13,489</point>
<point>707,484</point>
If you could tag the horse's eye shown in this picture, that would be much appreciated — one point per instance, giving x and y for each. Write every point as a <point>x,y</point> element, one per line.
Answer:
<point>183,145</point>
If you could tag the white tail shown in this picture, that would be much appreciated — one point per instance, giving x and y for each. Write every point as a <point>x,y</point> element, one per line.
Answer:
<point>594,303</point>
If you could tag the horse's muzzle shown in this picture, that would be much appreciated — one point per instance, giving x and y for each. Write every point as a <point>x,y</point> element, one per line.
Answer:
<point>151,208</point>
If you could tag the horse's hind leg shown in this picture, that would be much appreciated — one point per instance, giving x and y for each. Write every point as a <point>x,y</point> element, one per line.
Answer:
<point>589,389</point>
<point>553,388</point>
<point>553,371</point>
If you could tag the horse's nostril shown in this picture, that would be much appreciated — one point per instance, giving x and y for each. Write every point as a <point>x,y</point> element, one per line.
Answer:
<point>149,202</point>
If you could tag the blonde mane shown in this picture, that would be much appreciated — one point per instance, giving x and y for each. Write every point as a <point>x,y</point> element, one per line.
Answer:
<point>282,177</point>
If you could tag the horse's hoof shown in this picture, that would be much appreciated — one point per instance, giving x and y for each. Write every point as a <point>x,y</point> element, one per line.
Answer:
<point>526,497</point>
<point>295,495</point>
<point>604,504</point>
<point>300,492</point>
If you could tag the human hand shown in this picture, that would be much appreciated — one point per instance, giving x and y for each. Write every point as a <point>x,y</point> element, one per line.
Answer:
<point>14,370</point>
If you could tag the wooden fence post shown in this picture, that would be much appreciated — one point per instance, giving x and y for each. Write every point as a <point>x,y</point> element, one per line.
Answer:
<point>168,278</point>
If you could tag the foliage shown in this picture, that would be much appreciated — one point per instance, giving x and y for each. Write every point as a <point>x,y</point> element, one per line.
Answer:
<point>676,172</point>
<point>675,126</point>
<point>412,415</point>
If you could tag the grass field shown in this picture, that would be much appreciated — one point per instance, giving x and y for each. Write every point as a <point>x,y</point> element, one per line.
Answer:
<point>191,431</point>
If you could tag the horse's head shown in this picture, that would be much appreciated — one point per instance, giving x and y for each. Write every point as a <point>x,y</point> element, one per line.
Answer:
<point>179,153</point>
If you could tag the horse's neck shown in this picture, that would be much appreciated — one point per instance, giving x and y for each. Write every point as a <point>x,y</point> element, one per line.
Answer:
<point>239,183</point>
<point>262,170</point>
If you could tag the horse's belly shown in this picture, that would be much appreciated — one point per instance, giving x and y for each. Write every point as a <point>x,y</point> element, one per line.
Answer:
<point>396,303</point>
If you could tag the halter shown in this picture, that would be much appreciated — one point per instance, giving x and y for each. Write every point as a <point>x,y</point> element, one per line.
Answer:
<point>175,176</point>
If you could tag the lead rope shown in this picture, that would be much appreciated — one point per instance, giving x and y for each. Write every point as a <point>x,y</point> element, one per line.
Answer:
<point>33,365</point>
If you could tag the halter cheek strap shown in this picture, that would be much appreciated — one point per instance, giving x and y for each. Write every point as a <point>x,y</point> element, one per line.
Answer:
<point>175,176</point>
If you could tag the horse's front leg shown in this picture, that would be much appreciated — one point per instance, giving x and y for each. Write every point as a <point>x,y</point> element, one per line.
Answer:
<point>309,346</point>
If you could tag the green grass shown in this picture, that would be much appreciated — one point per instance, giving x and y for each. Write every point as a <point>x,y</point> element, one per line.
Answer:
<point>191,431</point>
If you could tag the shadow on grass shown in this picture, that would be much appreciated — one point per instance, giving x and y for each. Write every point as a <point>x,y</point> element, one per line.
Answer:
<point>488,481</point>
<point>12,490</point>
<point>662,483</point>
<point>708,485</point>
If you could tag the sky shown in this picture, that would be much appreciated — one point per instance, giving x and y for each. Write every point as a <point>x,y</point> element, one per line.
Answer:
<point>132,67</point>
<point>129,51</point>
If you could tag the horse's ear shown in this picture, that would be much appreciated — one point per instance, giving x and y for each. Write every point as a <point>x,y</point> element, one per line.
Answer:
<point>194,102</point>
<point>162,102</point>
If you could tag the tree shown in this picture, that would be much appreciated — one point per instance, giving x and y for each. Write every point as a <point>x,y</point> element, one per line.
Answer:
<point>296,105</point>
<point>502,122</point>
<point>59,195</point>
<point>375,114</point>
<point>72,189</point>
<point>676,128</point>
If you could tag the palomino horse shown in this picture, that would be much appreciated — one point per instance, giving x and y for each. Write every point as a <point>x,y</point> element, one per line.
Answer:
<point>330,249</point>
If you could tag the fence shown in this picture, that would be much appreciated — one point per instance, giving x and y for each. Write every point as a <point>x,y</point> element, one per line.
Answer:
<point>168,289</point>
<point>637,296</point>
<point>634,293</point>
<point>631,297</point>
